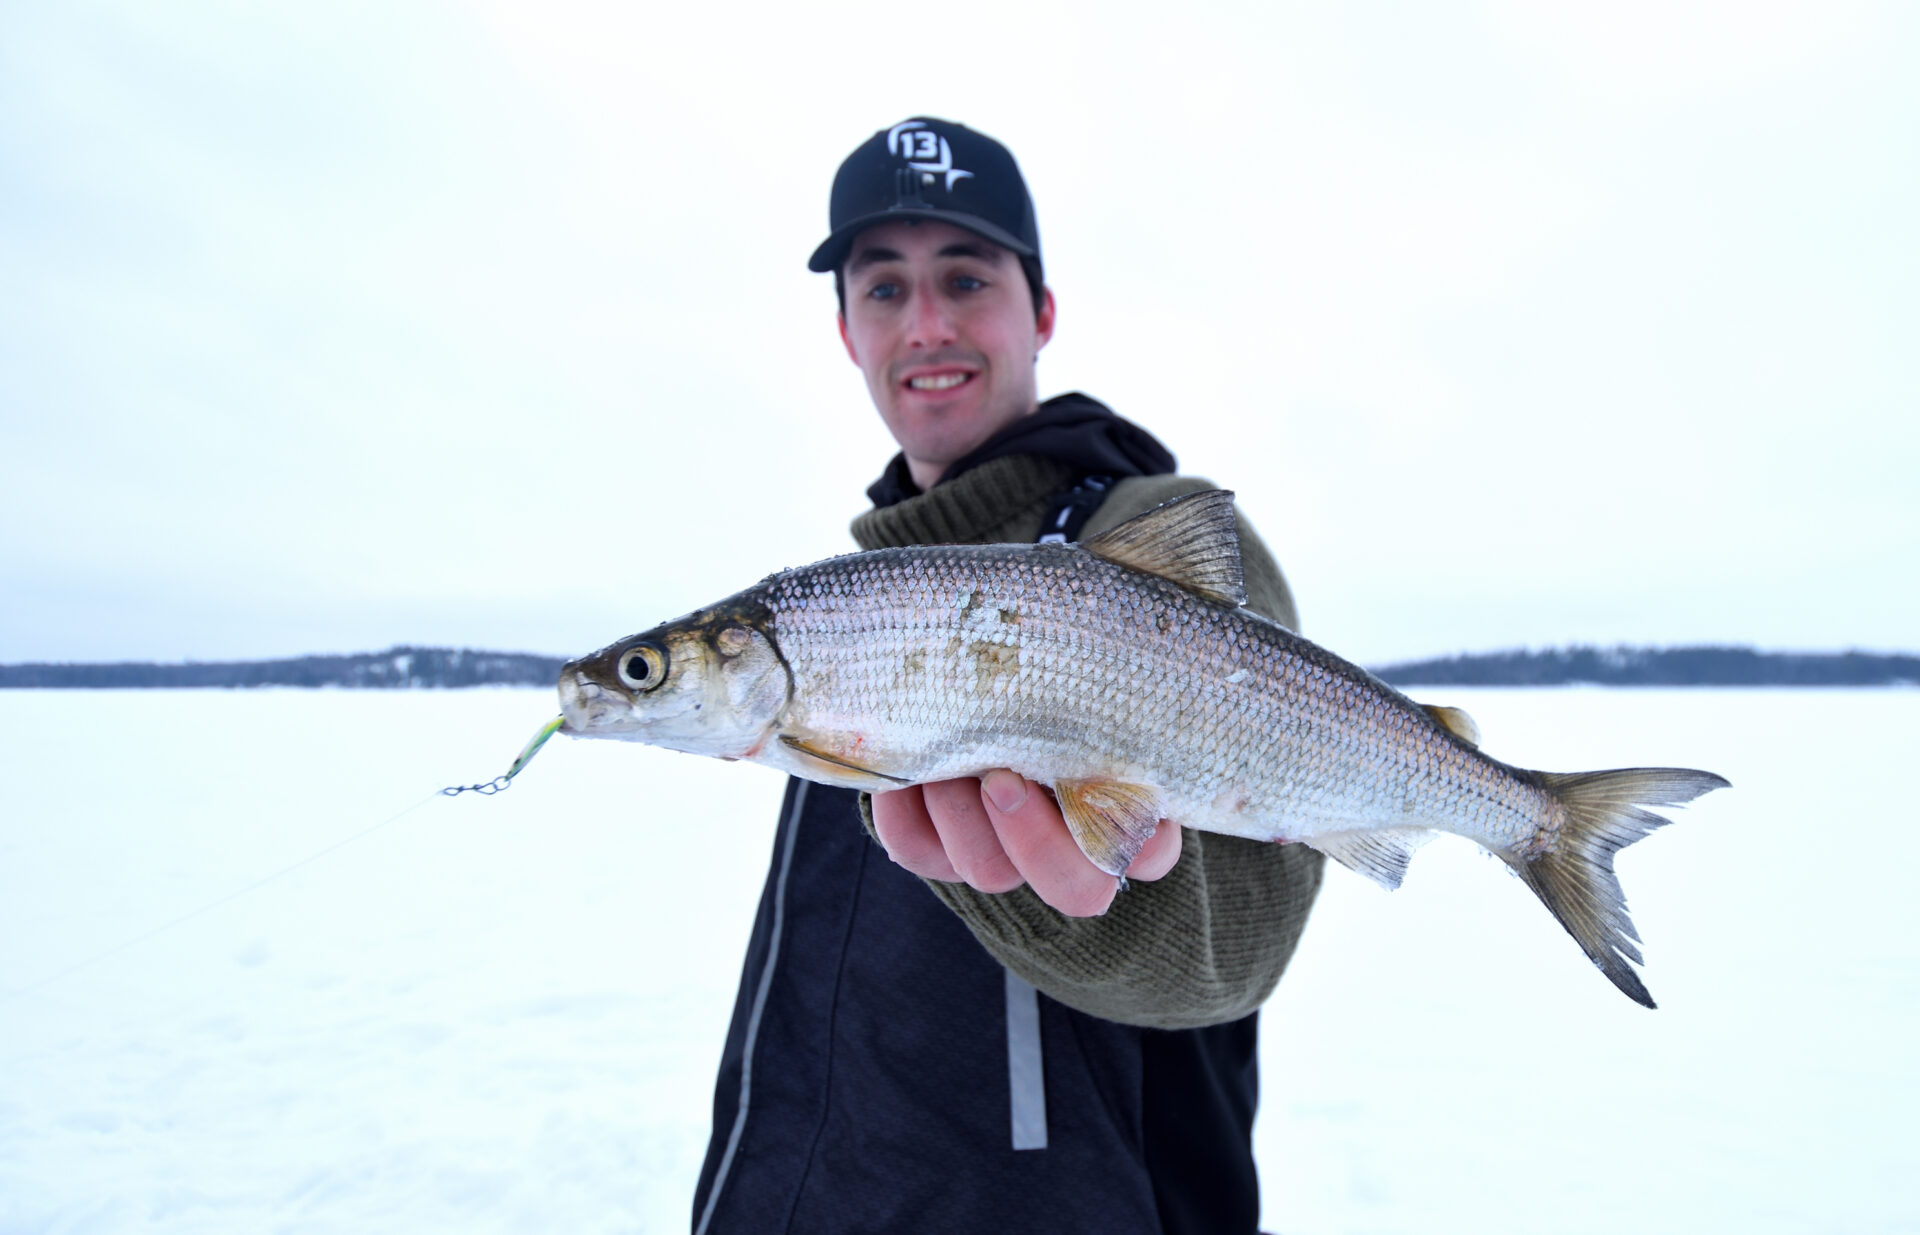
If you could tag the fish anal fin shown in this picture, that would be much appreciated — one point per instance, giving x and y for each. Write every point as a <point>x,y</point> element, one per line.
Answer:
<point>1111,820</point>
<point>1381,854</point>
<point>814,752</point>
<point>1191,541</point>
<point>1454,721</point>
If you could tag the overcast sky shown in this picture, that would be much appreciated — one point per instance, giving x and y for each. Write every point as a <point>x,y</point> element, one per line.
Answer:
<point>347,325</point>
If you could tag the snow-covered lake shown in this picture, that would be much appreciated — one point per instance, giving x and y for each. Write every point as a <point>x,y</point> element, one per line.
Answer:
<point>502,1014</point>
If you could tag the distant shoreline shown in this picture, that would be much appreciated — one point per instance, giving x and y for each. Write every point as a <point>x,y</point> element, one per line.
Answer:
<point>413,668</point>
<point>399,668</point>
<point>1682,666</point>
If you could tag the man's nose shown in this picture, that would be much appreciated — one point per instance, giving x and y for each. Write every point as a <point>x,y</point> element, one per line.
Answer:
<point>932,324</point>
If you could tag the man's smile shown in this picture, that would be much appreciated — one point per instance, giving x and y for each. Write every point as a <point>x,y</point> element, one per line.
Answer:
<point>938,381</point>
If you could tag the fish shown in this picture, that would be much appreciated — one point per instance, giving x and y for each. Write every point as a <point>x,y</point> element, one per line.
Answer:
<point>1126,674</point>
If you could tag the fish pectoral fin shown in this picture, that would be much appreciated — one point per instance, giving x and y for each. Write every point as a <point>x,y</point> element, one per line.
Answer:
<point>1454,721</point>
<point>811,753</point>
<point>1191,540</point>
<point>1379,854</point>
<point>1111,820</point>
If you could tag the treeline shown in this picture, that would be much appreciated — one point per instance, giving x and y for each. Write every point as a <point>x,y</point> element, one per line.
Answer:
<point>1629,666</point>
<point>398,668</point>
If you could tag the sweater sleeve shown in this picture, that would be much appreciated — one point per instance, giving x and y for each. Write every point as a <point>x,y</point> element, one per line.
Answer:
<point>1205,944</point>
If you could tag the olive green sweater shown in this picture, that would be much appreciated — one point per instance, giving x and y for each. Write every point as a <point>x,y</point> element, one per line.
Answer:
<point>1208,942</point>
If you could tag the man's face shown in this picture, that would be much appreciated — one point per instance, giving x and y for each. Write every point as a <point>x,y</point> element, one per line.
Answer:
<point>942,323</point>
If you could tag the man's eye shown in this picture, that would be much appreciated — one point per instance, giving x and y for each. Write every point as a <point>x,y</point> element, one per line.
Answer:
<point>883,291</point>
<point>967,283</point>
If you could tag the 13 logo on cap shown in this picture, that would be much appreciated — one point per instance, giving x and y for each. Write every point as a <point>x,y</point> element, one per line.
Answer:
<point>924,150</point>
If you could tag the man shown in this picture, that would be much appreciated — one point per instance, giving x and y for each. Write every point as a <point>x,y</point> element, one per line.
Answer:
<point>965,1026</point>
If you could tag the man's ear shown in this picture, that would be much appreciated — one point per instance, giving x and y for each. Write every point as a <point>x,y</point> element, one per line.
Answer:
<point>846,340</point>
<point>1042,322</point>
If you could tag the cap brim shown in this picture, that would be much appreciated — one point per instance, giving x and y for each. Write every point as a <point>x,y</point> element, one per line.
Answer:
<point>833,251</point>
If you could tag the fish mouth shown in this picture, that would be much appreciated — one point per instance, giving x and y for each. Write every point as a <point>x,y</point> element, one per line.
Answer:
<point>586,705</point>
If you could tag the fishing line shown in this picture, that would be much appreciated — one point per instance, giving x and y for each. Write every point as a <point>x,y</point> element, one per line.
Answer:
<point>495,785</point>
<point>210,906</point>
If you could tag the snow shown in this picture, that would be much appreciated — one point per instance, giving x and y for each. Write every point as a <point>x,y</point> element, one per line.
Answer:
<point>502,1014</point>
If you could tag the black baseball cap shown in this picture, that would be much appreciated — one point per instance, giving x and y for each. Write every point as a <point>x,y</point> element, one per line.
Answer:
<point>926,168</point>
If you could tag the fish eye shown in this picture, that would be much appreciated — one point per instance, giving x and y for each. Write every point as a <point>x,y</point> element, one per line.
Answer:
<point>643,667</point>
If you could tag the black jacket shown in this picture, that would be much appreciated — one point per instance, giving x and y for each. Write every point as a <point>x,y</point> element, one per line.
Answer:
<point>881,1067</point>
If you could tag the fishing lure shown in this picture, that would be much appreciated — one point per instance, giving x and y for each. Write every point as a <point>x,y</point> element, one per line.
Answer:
<point>526,756</point>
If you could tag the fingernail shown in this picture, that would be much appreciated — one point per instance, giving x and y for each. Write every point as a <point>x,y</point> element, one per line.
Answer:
<point>1006,790</point>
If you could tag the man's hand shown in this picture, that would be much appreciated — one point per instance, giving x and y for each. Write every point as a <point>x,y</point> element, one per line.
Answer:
<point>1001,831</point>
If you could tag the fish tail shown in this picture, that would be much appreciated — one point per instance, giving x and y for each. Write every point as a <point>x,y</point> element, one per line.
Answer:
<point>1602,813</point>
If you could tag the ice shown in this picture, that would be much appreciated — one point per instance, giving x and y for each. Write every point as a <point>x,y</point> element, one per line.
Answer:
<point>503,1014</point>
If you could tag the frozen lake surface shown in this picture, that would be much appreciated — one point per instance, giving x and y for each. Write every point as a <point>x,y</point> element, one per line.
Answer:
<point>502,1014</point>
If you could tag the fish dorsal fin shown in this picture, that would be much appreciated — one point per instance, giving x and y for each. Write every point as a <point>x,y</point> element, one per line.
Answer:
<point>1111,820</point>
<point>1379,854</point>
<point>813,752</point>
<point>1190,541</point>
<point>1454,721</point>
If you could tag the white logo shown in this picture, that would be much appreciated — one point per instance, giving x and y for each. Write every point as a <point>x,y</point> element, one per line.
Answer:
<point>925,151</point>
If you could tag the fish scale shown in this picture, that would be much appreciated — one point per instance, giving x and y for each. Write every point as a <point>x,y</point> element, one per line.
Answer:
<point>1127,674</point>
